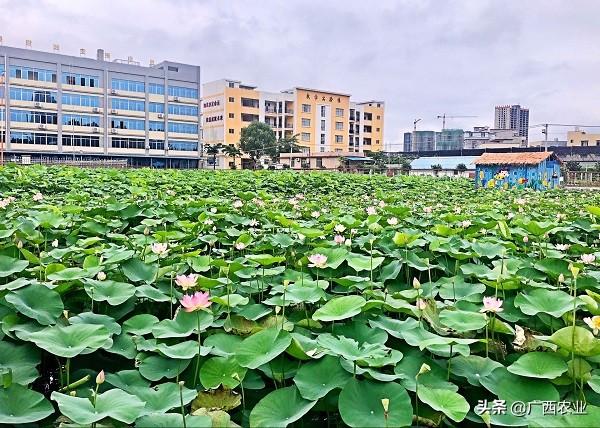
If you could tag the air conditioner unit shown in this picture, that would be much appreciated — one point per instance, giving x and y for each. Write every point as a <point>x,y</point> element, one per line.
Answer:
<point>114,131</point>
<point>95,130</point>
<point>38,105</point>
<point>96,110</point>
<point>160,115</point>
<point>113,92</point>
<point>176,98</point>
<point>42,127</point>
<point>113,111</point>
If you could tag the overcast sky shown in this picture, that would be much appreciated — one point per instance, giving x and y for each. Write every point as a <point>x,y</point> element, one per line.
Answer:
<point>424,58</point>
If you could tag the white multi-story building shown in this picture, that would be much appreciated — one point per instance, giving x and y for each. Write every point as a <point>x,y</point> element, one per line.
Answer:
<point>512,117</point>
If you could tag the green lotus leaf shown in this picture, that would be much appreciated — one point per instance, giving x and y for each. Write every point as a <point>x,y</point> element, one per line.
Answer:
<point>73,273</point>
<point>138,271</point>
<point>163,397</point>
<point>173,420</point>
<point>280,408</point>
<point>223,345</point>
<point>71,340</point>
<point>155,367</point>
<point>585,344</point>
<point>473,367</point>
<point>510,387</point>
<point>8,266</point>
<point>21,360</point>
<point>19,405</point>
<point>219,371</point>
<point>360,404</point>
<point>140,324</point>
<point>315,379</point>
<point>182,350</point>
<point>339,308</point>
<point>109,291</point>
<point>184,324</point>
<point>545,365</point>
<point>450,403</point>
<point>541,300</point>
<point>262,347</point>
<point>114,403</point>
<point>37,302</point>
<point>360,262</point>
<point>462,321</point>
<point>111,325</point>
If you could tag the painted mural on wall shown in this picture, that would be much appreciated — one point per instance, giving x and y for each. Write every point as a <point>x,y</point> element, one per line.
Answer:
<point>539,176</point>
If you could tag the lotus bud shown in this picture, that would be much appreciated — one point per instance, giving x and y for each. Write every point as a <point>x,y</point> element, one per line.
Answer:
<point>385,402</point>
<point>286,283</point>
<point>236,377</point>
<point>561,278</point>
<point>100,378</point>
<point>277,309</point>
<point>181,383</point>
<point>101,276</point>
<point>574,270</point>
<point>416,283</point>
<point>146,231</point>
<point>526,239</point>
<point>66,314</point>
<point>20,244</point>
<point>55,243</point>
<point>424,369</point>
<point>73,393</point>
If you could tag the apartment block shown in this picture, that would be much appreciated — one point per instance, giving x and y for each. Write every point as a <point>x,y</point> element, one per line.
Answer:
<point>582,139</point>
<point>513,117</point>
<point>323,121</point>
<point>56,105</point>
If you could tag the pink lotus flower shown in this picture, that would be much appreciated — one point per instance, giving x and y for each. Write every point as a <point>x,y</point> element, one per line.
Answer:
<point>421,304</point>
<point>38,197</point>
<point>238,204</point>
<point>392,221</point>
<point>593,323</point>
<point>317,260</point>
<point>427,210</point>
<point>526,239</point>
<point>101,276</point>
<point>160,248</point>
<point>588,258</point>
<point>339,228</point>
<point>371,210</point>
<point>338,239</point>
<point>491,304</point>
<point>240,246</point>
<point>315,214</point>
<point>196,301</point>
<point>562,247</point>
<point>186,281</point>
<point>100,378</point>
<point>466,223</point>
<point>381,204</point>
<point>253,223</point>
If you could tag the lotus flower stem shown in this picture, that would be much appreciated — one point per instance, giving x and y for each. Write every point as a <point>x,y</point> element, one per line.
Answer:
<point>306,314</point>
<point>75,384</point>
<point>573,336</point>
<point>199,351</point>
<point>181,402</point>
<point>171,293</point>
<point>68,370</point>
<point>486,340</point>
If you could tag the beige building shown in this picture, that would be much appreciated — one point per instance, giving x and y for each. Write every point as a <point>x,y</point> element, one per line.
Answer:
<point>582,139</point>
<point>323,121</point>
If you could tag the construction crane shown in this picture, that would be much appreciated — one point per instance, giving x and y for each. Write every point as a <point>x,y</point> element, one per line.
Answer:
<point>444,116</point>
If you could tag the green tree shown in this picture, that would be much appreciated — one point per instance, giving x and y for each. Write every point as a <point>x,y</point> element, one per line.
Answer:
<point>461,167</point>
<point>257,140</point>
<point>213,150</point>
<point>233,152</point>
<point>286,145</point>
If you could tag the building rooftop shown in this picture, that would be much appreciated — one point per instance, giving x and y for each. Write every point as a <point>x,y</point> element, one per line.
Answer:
<point>446,162</point>
<point>530,158</point>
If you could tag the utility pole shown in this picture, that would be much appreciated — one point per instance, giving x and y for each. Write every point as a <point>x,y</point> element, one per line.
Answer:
<point>413,143</point>
<point>545,132</point>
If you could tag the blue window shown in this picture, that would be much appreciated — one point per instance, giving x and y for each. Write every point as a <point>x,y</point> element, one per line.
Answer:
<point>33,138</point>
<point>78,79</point>
<point>81,120</point>
<point>29,73</point>
<point>179,91</point>
<point>184,146</point>
<point>127,104</point>
<point>156,88</point>
<point>126,123</point>
<point>23,94</point>
<point>183,110</point>
<point>156,108</point>
<point>81,140</point>
<point>157,144</point>
<point>40,117</point>
<point>80,100</point>
<point>128,143</point>
<point>1,69</point>
<point>183,128</point>
<point>156,126</point>
<point>127,85</point>
<point>2,114</point>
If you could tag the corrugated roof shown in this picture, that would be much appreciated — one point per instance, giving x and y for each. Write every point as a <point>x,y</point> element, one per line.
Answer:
<point>446,162</point>
<point>524,158</point>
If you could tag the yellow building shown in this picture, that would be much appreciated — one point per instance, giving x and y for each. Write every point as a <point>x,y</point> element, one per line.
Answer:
<point>582,139</point>
<point>323,121</point>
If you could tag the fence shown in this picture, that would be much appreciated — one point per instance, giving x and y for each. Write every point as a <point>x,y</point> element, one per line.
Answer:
<point>582,178</point>
<point>96,163</point>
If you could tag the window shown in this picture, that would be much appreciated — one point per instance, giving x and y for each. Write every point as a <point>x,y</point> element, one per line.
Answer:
<point>378,116</point>
<point>127,104</point>
<point>305,108</point>
<point>183,110</point>
<point>377,129</point>
<point>305,136</point>
<point>22,94</point>
<point>250,102</point>
<point>184,146</point>
<point>339,139</point>
<point>322,138</point>
<point>156,88</point>
<point>376,141</point>
<point>81,120</point>
<point>322,125</point>
<point>231,115</point>
<point>127,85</point>
<point>231,131</point>
<point>126,123</point>
<point>81,140</point>
<point>584,143</point>
<point>319,162</point>
<point>33,138</point>
<point>367,128</point>
<point>338,150</point>
<point>80,100</point>
<point>305,123</point>
<point>183,128</point>
<point>231,85</point>
<point>339,126</point>
<point>323,111</point>
<point>322,149</point>
<point>172,68</point>
<point>339,112</point>
<point>368,116</point>
<point>180,91</point>
<point>40,117</point>
<point>249,117</point>
<point>128,143</point>
<point>77,79</point>
<point>156,144</point>
<point>367,141</point>
<point>155,125</point>
<point>598,142</point>
<point>231,99</point>
<point>156,107</point>
<point>28,73</point>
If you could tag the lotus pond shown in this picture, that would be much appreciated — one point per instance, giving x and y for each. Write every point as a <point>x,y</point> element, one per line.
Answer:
<point>196,299</point>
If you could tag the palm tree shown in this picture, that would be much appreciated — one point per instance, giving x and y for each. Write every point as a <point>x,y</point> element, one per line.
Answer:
<point>214,150</point>
<point>232,151</point>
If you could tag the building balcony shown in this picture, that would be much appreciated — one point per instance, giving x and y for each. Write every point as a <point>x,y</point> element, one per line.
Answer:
<point>289,111</point>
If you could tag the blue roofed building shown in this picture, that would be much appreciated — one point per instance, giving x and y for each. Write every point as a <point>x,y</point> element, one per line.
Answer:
<point>449,166</point>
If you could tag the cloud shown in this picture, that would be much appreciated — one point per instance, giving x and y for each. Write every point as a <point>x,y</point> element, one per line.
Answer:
<point>424,58</point>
